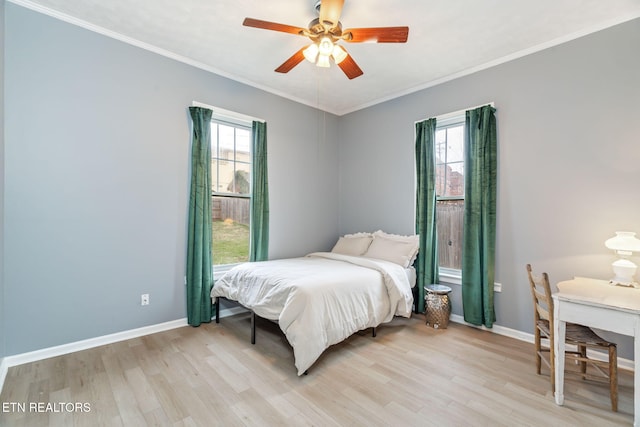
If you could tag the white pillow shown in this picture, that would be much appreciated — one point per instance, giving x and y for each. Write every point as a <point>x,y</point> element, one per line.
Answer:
<point>363,234</point>
<point>401,250</point>
<point>355,245</point>
<point>414,239</point>
<point>411,238</point>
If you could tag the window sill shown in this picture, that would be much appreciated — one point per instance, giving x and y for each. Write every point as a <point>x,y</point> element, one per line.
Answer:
<point>454,277</point>
<point>219,270</point>
<point>448,275</point>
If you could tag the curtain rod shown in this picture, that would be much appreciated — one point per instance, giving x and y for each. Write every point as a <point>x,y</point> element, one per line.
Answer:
<point>228,113</point>
<point>457,113</point>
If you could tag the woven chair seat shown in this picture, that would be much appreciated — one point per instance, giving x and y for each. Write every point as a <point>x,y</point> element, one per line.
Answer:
<point>578,334</point>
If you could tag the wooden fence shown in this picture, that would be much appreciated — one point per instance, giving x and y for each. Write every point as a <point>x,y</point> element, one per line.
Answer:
<point>234,208</point>
<point>449,220</point>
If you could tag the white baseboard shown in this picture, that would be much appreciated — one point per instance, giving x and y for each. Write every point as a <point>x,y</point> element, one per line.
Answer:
<point>232,310</point>
<point>527,337</point>
<point>496,329</point>
<point>45,353</point>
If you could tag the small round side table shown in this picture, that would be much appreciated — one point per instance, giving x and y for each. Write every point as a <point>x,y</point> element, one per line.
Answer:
<point>437,305</point>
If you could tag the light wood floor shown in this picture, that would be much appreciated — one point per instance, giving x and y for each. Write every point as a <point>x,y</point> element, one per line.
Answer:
<point>409,375</point>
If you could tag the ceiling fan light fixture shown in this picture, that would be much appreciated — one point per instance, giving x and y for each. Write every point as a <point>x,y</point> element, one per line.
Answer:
<point>325,46</point>
<point>339,54</point>
<point>311,53</point>
<point>323,61</point>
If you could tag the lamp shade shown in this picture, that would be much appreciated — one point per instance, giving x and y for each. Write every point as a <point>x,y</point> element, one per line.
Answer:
<point>311,52</point>
<point>339,54</point>
<point>624,243</point>
<point>325,46</point>
<point>323,61</point>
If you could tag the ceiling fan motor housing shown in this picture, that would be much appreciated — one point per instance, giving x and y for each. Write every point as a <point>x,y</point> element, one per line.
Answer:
<point>317,30</point>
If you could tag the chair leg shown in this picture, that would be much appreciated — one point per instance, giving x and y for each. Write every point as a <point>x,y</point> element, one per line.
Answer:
<point>537,344</point>
<point>583,363</point>
<point>613,377</point>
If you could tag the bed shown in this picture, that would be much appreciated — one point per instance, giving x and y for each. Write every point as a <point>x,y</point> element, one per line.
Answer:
<point>324,297</point>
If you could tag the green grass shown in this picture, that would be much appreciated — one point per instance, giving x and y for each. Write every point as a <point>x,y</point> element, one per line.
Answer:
<point>230,242</point>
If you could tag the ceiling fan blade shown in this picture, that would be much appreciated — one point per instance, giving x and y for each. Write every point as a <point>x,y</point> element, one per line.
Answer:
<point>330,11</point>
<point>295,59</point>
<point>350,68</point>
<point>274,26</point>
<point>376,35</point>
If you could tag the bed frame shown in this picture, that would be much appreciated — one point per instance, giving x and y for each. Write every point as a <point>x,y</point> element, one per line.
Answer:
<point>253,319</point>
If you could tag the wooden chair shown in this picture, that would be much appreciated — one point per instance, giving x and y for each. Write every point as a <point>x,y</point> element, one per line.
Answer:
<point>579,336</point>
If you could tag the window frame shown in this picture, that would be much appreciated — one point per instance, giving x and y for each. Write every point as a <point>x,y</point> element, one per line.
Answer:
<point>242,122</point>
<point>450,275</point>
<point>235,124</point>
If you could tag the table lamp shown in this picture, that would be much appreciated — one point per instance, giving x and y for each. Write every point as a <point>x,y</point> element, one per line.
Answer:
<point>623,244</point>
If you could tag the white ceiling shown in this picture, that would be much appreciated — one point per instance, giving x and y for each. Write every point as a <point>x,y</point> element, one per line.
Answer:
<point>447,38</point>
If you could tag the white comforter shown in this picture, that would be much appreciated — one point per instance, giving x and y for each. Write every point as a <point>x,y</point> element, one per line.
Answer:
<point>321,299</point>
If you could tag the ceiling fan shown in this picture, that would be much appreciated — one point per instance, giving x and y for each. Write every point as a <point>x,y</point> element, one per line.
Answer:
<point>325,32</point>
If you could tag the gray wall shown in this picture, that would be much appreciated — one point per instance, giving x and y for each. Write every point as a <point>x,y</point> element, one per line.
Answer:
<point>569,160</point>
<point>2,310</point>
<point>96,180</point>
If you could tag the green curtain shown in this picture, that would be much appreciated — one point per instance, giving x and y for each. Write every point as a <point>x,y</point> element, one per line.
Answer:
<point>259,241</point>
<point>199,267</point>
<point>427,262</point>
<point>479,235</point>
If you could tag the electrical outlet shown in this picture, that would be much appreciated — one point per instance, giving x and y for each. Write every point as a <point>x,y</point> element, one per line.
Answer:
<point>144,299</point>
<point>497,287</point>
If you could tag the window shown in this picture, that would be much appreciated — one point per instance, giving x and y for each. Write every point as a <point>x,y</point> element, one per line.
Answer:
<point>230,189</point>
<point>450,193</point>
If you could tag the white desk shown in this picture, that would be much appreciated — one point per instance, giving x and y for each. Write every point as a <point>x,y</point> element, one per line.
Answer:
<point>597,304</point>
